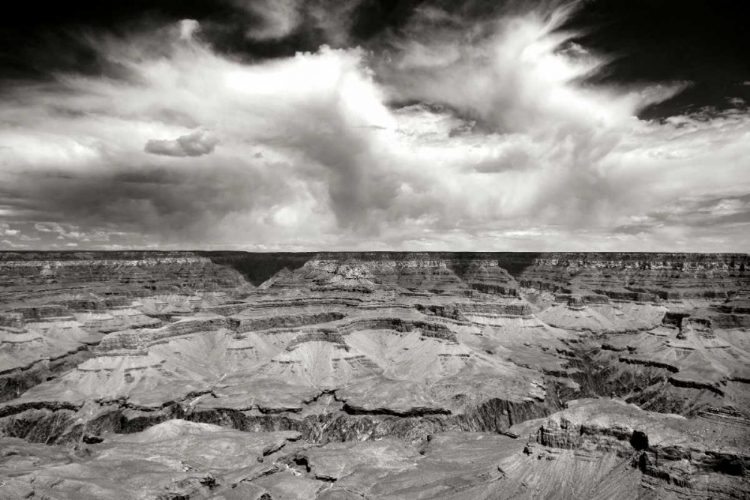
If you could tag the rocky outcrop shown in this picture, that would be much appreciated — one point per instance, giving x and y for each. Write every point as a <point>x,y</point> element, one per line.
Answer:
<point>14,382</point>
<point>739,303</point>
<point>331,336</point>
<point>729,320</point>
<point>665,447</point>
<point>649,363</point>
<point>90,302</point>
<point>137,342</point>
<point>11,320</point>
<point>43,312</point>
<point>242,323</point>
<point>460,311</point>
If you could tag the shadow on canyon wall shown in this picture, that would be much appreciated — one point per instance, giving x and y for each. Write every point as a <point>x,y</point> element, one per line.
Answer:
<point>258,267</point>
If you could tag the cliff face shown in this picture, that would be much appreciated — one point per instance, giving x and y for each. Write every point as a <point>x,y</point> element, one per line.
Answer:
<point>629,276</point>
<point>641,276</point>
<point>620,276</point>
<point>673,452</point>
<point>31,274</point>
<point>429,350</point>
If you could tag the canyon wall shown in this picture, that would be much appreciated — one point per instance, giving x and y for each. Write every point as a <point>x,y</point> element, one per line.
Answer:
<point>538,364</point>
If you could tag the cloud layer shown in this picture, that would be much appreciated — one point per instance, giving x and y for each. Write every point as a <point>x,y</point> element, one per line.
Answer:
<point>454,134</point>
<point>197,143</point>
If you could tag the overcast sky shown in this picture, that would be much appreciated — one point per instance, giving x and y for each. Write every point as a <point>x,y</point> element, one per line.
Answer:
<point>350,125</point>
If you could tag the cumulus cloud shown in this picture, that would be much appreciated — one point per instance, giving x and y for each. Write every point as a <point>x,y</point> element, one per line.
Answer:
<point>459,134</point>
<point>64,230</point>
<point>198,143</point>
<point>47,227</point>
<point>12,244</point>
<point>286,128</point>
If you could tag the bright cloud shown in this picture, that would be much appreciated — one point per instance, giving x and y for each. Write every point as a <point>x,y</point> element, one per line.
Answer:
<point>197,143</point>
<point>501,146</point>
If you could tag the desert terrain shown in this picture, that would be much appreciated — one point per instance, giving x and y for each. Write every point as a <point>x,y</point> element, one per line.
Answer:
<point>350,376</point>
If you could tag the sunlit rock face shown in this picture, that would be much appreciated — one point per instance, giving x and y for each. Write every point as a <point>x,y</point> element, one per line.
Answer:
<point>375,375</point>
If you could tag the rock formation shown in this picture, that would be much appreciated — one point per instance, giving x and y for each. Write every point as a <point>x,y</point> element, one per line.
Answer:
<point>374,375</point>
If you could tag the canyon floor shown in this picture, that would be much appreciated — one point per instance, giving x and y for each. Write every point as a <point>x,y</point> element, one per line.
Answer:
<point>337,376</point>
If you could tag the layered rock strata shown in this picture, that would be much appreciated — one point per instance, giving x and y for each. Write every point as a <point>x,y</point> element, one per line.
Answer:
<point>388,361</point>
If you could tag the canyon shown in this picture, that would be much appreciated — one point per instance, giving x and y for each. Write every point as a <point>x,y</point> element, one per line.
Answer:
<point>374,375</point>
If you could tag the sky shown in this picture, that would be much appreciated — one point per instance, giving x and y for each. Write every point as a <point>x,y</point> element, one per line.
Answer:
<point>292,125</point>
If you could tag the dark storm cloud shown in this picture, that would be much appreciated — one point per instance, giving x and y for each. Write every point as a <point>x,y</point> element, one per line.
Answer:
<point>174,203</point>
<point>699,41</point>
<point>38,43</point>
